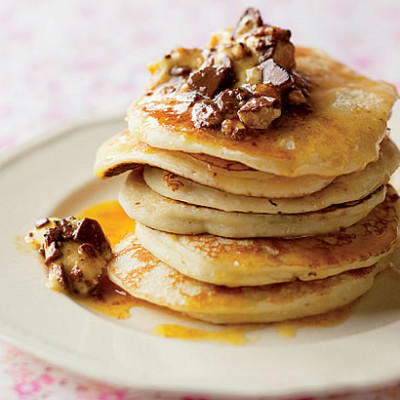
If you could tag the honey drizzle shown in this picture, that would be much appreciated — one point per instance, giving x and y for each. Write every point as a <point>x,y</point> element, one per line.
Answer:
<point>235,335</point>
<point>238,334</point>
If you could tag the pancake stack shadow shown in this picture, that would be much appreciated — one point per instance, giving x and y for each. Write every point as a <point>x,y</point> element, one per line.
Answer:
<point>220,251</point>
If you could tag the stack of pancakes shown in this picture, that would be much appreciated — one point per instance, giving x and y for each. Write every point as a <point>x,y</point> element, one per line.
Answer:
<point>281,225</point>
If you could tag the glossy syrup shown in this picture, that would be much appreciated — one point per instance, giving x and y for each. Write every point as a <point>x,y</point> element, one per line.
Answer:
<point>240,334</point>
<point>110,300</point>
<point>115,302</point>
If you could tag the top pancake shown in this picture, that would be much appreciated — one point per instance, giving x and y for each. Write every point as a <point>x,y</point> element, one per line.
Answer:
<point>341,134</point>
<point>124,152</point>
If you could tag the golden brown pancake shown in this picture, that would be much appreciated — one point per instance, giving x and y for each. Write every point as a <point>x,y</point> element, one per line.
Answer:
<point>262,261</point>
<point>341,135</point>
<point>143,276</point>
<point>158,212</point>
<point>343,189</point>
<point>123,152</point>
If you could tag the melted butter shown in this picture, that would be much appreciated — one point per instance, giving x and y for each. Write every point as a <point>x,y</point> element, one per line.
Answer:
<point>112,218</point>
<point>235,335</point>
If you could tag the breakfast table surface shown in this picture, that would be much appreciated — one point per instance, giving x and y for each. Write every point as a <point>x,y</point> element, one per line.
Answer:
<point>69,60</point>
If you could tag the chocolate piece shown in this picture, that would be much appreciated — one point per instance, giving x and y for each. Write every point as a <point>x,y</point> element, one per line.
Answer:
<point>52,253</point>
<point>67,229</point>
<point>278,34</point>
<point>230,100</point>
<point>245,80</point>
<point>88,250</point>
<point>40,223</point>
<point>205,114</point>
<point>76,274</point>
<point>208,80</point>
<point>259,112</point>
<point>89,231</point>
<point>249,20</point>
<point>262,44</point>
<point>227,101</point>
<point>275,74</point>
<point>179,71</point>
<point>233,128</point>
<point>52,235</point>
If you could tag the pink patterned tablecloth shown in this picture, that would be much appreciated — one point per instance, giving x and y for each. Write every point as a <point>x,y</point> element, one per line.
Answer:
<point>63,60</point>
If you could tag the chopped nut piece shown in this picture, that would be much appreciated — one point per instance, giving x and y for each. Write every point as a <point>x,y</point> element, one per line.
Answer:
<point>259,112</point>
<point>275,74</point>
<point>297,96</point>
<point>266,89</point>
<point>40,223</point>
<point>206,114</point>
<point>256,61</point>
<point>233,128</point>
<point>283,55</point>
<point>250,19</point>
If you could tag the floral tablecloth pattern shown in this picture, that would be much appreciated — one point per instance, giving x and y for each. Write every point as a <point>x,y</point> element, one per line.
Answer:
<point>68,60</point>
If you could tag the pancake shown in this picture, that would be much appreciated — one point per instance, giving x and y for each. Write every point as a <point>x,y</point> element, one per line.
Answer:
<point>151,209</point>
<point>341,135</point>
<point>343,189</point>
<point>139,273</point>
<point>262,261</point>
<point>123,152</point>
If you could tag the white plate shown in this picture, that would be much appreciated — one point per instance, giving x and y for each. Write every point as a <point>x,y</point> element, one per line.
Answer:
<point>53,177</point>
